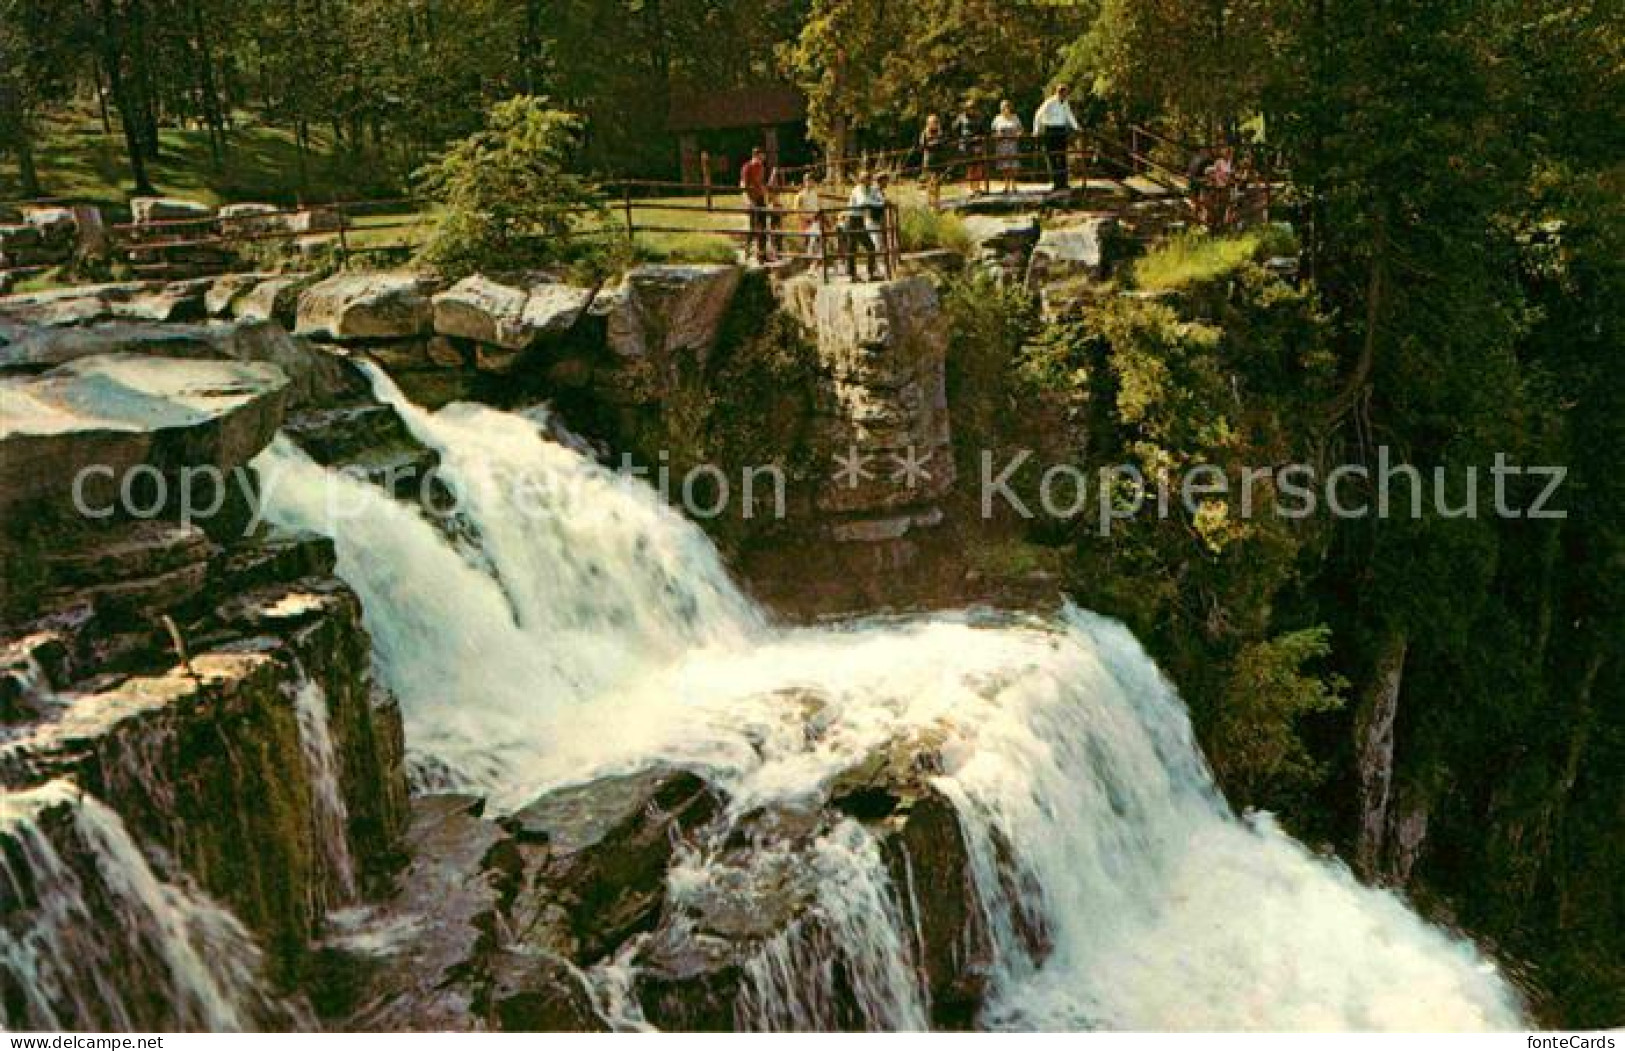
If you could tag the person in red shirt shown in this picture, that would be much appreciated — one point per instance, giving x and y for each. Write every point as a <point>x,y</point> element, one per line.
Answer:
<point>753,180</point>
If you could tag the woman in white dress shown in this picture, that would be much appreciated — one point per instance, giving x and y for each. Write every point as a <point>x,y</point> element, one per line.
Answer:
<point>1007,129</point>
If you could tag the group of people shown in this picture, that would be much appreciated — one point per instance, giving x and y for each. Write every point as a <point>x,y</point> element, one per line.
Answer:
<point>862,224</point>
<point>1053,125</point>
<point>945,152</point>
<point>1219,186</point>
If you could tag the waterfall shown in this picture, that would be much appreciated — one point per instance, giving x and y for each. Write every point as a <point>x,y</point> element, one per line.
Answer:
<point>330,817</point>
<point>93,939</point>
<point>598,630</point>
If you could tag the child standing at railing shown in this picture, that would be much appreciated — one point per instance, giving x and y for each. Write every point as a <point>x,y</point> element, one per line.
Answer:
<point>808,219</point>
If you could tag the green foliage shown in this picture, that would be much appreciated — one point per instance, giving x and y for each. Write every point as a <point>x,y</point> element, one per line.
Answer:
<point>988,322</point>
<point>1190,259</point>
<point>922,228</point>
<point>508,200</point>
<point>1254,745</point>
<point>870,66</point>
<point>1206,62</point>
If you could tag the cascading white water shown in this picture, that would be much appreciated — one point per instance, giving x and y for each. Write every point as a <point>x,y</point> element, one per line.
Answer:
<point>92,938</point>
<point>600,630</point>
<point>330,816</point>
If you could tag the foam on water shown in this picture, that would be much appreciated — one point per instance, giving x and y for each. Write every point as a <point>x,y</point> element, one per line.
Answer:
<point>93,939</point>
<point>598,630</point>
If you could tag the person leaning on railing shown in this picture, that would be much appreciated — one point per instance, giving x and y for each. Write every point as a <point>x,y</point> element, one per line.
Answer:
<point>968,136</point>
<point>865,223</point>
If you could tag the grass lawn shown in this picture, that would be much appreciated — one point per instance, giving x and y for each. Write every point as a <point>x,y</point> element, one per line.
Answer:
<point>79,161</point>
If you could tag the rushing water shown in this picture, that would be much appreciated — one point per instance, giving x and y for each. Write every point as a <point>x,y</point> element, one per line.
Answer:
<point>594,629</point>
<point>91,938</point>
<point>330,817</point>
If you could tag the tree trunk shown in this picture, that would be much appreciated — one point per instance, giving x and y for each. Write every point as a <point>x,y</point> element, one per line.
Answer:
<point>1374,721</point>
<point>139,87</point>
<point>208,87</point>
<point>27,173</point>
<point>111,45</point>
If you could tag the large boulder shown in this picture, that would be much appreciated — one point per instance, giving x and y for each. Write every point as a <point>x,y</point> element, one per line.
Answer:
<point>251,218</point>
<point>314,375</point>
<point>95,419</point>
<point>362,307</point>
<point>505,315</point>
<point>224,291</point>
<point>1003,244</point>
<point>483,310</point>
<point>1066,252</point>
<point>273,299</point>
<point>669,311</point>
<point>608,845</point>
<point>76,305</point>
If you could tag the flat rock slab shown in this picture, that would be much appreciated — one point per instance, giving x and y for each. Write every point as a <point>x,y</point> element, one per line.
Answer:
<point>114,412</point>
<point>148,210</point>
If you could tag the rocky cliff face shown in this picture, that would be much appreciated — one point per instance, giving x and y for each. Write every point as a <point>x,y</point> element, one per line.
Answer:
<point>195,757</point>
<point>190,735</point>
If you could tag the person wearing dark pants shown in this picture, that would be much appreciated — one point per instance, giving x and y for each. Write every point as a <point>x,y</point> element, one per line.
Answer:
<point>1055,125</point>
<point>753,181</point>
<point>860,226</point>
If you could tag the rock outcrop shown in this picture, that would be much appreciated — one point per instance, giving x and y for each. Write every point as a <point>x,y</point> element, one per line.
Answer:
<point>884,346</point>
<point>1003,245</point>
<point>1078,250</point>
<point>76,437</point>
<point>505,316</point>
<point>172,671</point>
<point>366,307</point>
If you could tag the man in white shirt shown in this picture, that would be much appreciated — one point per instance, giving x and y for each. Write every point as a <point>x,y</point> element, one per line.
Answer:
<point>1055,124</point>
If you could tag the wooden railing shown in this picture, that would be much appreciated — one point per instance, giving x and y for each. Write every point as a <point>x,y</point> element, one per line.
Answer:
<point>819,237</point>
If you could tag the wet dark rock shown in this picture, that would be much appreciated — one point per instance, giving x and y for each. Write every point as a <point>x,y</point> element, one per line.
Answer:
<point>427,949</point>
<point>204,762</point>
<point>691,983</point>
<point>540,993</point>
<point>609,845</point>
<point>929,863</point>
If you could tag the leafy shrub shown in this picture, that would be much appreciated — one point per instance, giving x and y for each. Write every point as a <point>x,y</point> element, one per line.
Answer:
<point>507,200</point>
<point>1255,744</point>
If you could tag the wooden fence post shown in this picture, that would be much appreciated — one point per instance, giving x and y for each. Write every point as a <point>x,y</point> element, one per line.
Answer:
<point>344,240</point>
<point>823,244</point>
<point>626,203</point>
<point>705,176</point>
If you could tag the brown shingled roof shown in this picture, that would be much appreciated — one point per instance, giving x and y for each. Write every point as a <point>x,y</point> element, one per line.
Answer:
<point>753,107</point>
